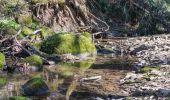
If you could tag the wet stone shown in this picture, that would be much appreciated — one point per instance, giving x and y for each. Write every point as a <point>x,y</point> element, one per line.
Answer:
<point>35,87</point>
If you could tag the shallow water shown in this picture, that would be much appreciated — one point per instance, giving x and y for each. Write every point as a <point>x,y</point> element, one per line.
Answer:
<point>63,79</point>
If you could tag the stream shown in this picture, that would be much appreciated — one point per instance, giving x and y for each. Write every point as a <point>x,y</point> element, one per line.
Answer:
<point>64,79</point>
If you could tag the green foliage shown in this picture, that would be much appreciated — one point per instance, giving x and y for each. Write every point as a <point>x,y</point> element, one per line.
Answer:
<point>34,60</point>
<point>2,60</point>
<point>2,81</point>
<point>6,24</point>
<point>19,98</point>
<point>63,43</point>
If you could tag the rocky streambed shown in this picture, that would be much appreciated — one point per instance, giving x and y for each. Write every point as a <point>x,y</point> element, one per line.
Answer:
<point>150,78</point>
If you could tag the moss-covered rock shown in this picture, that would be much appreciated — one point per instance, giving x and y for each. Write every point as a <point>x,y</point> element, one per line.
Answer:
<point>147,69</point>
<point>2,81</point>
<point>34,60</point>
<point>63,43</point>
<point>19,98</point>
<point>2,60</point>
<point>25,20</point>
<point>35,87</point>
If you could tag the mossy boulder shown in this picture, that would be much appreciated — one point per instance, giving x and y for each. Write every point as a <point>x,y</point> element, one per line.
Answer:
<point>64,43</point>
<point>19,98</point>
<point>35,87</point>
<point>34,60</point>
<point>2,81</point>
<point>25,20</point>
<point>2,60</point>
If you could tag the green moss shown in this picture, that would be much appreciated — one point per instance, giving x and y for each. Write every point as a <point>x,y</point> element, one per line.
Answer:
<point>10,31</point>
<point>2,81</point>
<point>36,82</point>
<point>34,60</point>
<point>36,45</point>
<point>46,31</point>
<point>26,31</point>
<point>25,20</point>
<point>8,24</point>
<point>63,43</point>
<point>147,69</point>
<point>2,60</point>
<point>86,34</point>
<point>19,98</point>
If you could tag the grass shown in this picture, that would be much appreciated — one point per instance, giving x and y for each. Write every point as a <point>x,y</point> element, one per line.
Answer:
<point>64,43</point>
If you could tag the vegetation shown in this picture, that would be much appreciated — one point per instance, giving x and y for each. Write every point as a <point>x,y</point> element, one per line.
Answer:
<point>63,43</point>
<point>147,69</point>
<point>19,98</point>
<point>34,60</point>
<point>2,60</point>
<point>2,81</point>
<point>46,28</point>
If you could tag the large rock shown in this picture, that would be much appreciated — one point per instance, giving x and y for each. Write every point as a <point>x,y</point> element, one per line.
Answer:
<point>35,87</point>
<point>64,43</point>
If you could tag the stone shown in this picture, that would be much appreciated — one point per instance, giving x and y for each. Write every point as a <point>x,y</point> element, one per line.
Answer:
<point>35,87</point>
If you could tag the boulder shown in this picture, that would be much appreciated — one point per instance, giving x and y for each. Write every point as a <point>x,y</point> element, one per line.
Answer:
<point>65,43</point>
<point>35,87</point>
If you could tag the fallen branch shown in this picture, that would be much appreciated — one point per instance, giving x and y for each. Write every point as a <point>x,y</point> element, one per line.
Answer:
<point>91,78</point>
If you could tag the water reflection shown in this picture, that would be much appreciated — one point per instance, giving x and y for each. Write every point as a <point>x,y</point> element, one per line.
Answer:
<point>60,78</point>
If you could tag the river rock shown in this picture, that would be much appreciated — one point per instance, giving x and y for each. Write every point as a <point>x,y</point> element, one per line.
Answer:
<point>35,87</point>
